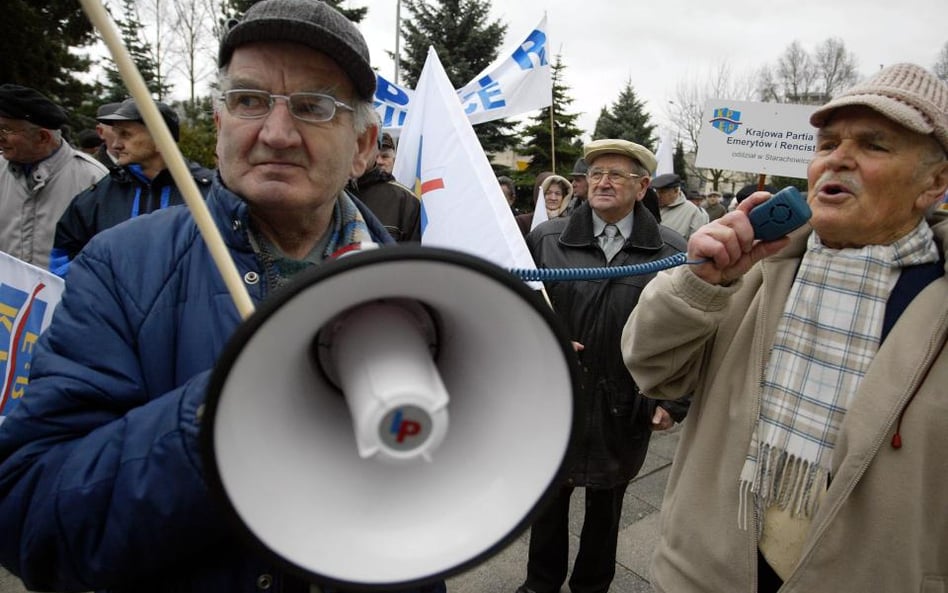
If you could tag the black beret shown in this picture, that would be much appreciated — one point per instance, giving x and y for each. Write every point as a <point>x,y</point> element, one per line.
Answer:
<point>20,102</point>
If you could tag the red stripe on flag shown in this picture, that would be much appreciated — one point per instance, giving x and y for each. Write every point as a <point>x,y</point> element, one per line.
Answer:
<point>432,185</point>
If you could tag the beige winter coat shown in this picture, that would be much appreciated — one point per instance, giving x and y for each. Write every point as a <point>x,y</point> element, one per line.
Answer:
<point>883,526</point>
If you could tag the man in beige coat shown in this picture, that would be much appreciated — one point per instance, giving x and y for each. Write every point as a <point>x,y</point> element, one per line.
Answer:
<point>814,455</point>
<point>40,173</point>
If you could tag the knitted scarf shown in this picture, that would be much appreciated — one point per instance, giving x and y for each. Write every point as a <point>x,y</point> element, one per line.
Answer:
<point>826,339</point>
<point>346,227</point>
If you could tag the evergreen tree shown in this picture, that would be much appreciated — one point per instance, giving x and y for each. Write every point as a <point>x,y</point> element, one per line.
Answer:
<point>566,136</point>
<point>198,137</point>
<point>679,165</point>
<point>130,27</point>
<point>36,42</point>
<point>466,42</point>
<point>626,119</point>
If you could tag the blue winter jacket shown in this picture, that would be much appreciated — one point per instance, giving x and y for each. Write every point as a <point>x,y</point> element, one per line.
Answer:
<point>122,194</point>
<point>101,483</point>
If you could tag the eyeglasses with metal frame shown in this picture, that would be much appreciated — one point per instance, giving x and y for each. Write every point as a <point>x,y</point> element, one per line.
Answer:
<point>614,176</point>
<point>309,107</point>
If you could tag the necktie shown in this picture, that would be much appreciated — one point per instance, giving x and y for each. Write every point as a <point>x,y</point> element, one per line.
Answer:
<point>610,241</point>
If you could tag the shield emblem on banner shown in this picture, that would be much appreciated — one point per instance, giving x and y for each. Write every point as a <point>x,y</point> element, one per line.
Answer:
<point>726,119</point>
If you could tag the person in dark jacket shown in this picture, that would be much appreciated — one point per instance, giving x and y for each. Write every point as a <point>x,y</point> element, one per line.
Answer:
<point>390,201</point>
<point>102,484</point>
<point>615,420</point>
<point>140,184</point>
<point>580,184</point>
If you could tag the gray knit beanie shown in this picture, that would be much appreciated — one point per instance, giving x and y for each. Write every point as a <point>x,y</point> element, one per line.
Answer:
<point>309,22</point>
<point>905,93</point>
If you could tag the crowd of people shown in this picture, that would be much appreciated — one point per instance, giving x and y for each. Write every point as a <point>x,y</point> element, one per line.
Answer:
<point>808,372</point>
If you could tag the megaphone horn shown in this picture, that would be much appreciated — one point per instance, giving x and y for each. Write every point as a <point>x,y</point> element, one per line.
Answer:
<point>326,435</point>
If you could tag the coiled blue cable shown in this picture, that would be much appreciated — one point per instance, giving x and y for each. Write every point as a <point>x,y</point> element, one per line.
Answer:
<point>564,274</point>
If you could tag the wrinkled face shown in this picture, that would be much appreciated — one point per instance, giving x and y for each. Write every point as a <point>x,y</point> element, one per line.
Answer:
<point>871,179</point>
<point>19,139</point>
<point>385,160</point>
<point>278,161</point>
<point>613,199</point>
<point>580,186</point>
<point>133,144</point>
<point>553,197</point>
<point>667,195</point>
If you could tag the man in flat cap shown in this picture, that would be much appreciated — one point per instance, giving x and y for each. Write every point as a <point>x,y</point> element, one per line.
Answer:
<point>818,362</point>
<point>39,173</point>
<point>611,228</point>
<point>140,184</point>
<point>102,481</point>
<point>385,160</point>
<point>106,153</point>
<point>677,212</point>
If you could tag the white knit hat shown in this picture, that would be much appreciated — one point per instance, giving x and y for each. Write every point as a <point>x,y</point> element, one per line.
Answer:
<point>905,93</point>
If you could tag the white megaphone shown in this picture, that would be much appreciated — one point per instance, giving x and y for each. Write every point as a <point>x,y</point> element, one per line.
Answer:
<point>326,430</point>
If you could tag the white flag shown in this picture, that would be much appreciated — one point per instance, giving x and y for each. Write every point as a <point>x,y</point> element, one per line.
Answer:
<point>462,205</point>
<point>665,155</point>
<point>518,81</point>
<point>28,296</point>
<point>539,213</point>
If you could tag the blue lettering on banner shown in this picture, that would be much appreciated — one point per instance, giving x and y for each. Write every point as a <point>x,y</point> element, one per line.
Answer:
<point>485,96</point>
<point>388,92</point>
<point>534,45</point>
<point>391,102</point>
<point>391,116</point>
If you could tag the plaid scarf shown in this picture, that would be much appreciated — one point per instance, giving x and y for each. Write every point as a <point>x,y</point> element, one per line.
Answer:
<point>346,227</point>
<point>826,339</point>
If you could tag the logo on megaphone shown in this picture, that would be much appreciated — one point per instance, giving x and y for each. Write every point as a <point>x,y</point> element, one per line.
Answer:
<point>407,427</point>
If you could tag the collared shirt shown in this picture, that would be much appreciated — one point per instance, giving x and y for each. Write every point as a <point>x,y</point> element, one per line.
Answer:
<point>624,225</point>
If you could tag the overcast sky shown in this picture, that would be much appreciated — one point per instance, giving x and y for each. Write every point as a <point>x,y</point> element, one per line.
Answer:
<point>657,45</point>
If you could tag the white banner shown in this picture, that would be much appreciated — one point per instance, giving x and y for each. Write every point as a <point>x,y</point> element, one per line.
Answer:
<point>28,296</point>
<point>519,80</point>
<point>771,138</point>
<point>665,154</point>
<point>462,205</point>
